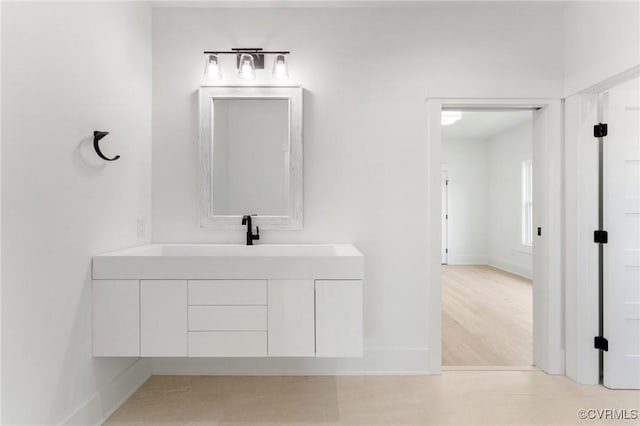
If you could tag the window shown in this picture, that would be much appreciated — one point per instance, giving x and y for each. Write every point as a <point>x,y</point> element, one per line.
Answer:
<point>527,203</point>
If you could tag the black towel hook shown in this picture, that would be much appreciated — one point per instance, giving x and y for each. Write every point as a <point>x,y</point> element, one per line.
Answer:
<point>97,135</point>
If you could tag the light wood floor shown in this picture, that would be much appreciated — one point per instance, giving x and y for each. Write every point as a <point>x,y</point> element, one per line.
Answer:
<point>453,398</point>
<point>486,317</point>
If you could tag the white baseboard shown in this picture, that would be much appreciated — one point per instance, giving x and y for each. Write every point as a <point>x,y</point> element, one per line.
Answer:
<point>107,400</point>
<point>467,259</point>
<point>376,361</point>
<point>511,267</point>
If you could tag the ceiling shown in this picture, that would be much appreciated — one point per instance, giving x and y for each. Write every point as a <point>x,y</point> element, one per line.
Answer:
<point>484,124</point>
<point>556,4</point>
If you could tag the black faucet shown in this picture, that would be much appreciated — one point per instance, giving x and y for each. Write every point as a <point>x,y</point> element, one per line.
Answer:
<point>246,220</point>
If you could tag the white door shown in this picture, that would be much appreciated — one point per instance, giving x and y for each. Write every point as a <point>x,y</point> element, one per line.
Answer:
<point>445,217</point>
<point>621,217</point>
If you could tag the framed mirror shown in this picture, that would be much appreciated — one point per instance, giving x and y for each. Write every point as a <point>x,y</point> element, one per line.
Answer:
<point>251,156</point>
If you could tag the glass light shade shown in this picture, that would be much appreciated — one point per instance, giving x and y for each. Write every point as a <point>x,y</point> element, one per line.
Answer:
<point>280,68</point>
<point>246,68</point>
<point>450,117</point>
<point>212,68</point>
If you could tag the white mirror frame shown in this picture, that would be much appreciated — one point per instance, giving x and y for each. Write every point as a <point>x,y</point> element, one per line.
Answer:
<point>207,95</point>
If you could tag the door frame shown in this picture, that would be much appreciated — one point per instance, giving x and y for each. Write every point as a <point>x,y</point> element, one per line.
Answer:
<point>444,189</point>
<point>581,208</point>
<point>548,309</point>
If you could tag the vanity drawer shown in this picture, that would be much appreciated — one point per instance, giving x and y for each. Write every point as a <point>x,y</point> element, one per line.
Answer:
<point>227,343</point>
<point>228,292</point>
<point>227,318</point>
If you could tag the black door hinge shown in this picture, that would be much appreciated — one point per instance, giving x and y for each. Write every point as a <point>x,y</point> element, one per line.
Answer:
<point>446,250</point>
<point>446,216</point>
<point>601,343</point>
<point>600,237</point>
<point>600,130</point>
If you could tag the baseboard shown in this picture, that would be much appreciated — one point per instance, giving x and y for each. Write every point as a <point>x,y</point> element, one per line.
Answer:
<point>490,368</point>
<point>510,267</point>
<point>467,259</point>
<point>376,361</point>
<point>107,400</point>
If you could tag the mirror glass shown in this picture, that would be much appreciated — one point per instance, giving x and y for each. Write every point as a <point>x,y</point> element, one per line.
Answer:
<point>250,157</point>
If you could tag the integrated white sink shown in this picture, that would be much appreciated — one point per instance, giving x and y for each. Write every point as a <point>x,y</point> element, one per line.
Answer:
<point>231,261</point>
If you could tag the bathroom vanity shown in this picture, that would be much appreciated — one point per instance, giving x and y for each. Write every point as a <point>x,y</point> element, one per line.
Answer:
<point>189,300</point>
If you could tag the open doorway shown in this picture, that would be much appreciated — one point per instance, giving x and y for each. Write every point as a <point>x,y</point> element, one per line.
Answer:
<point>487,234</point>
<point>548,302</point>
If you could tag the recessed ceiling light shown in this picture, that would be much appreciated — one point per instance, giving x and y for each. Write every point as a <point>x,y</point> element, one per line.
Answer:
<point>450,117</point>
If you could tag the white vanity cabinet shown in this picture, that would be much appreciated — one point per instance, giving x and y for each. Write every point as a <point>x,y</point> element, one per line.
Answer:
<point>225,318</point>
<point>210,301</point>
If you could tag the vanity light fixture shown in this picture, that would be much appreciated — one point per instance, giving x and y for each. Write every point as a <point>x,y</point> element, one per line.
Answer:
<point>212,69</point>
<point>247,67</point>
<point>450,117</point>
<point>248,60</point>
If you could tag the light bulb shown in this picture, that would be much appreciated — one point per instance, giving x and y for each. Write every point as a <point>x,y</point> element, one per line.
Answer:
<point>212,68</point>
<point>247,68</point>
<point>280,68</point>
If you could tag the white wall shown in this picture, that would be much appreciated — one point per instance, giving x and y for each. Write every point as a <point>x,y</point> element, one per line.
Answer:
<point>601,40</point>
<point>465,161</point>
<point>68,69</point>
<point>366,74</point>
<point>505,153</point>
<point>581,254</point>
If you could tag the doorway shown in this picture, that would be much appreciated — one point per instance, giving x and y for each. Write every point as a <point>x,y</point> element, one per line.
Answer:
<point>546,218</point>
<point>488,231</point>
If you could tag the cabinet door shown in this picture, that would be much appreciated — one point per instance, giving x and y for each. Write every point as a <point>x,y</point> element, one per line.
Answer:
<point>338,318</point>
<point>290,318</point>
<point>116,318</point>
<point>163,318</point>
